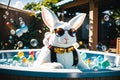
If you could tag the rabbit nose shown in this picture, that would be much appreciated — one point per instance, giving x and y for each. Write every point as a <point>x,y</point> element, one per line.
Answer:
<point>66,39</point>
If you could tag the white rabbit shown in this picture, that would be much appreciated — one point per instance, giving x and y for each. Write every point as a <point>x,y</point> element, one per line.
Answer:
<point>61,48</point>
<point>46,38</point>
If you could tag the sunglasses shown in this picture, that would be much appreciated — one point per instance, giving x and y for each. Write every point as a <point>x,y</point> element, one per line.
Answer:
<point>59,32</point>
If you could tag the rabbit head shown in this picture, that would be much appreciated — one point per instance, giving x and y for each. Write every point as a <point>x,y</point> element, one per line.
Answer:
<point>63,34</point>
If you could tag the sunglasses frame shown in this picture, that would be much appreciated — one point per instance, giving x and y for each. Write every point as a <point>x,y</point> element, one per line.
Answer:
<point>60,32</point>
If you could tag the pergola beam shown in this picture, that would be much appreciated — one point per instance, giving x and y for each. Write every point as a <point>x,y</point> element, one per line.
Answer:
<point>75,3</point>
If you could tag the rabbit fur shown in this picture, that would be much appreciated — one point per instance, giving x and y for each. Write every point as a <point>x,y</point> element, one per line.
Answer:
<point>64,60</point>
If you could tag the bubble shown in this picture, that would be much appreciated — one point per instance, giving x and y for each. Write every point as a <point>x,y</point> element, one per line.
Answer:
<point>8,24</point>
<point>12,32</point>
<point>4,16</point>
<point>34,42</point>
<point>106,17</point>
<point>102,22</point>
<point>22,23</point>
<point>6,13</point>
<point>19,32</point>
<point>20,43</point>
<point>40,31</point>
<point>11,20</point>
<point>24,28</point>
<point>117,22</point>
<point>20,19</point>
<point>110,24</point>
<point>104,48</point>
<point>87,26</point>
<point>10,37</point>
<point>6,44</point>
<point>10,41</point>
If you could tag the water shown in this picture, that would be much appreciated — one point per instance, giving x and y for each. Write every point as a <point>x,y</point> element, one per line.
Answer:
<point>26,58</point>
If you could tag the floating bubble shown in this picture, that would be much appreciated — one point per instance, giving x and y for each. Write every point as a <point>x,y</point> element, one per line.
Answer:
<point>12,32</point>
<point>104,48</point>
<point>10,37</point>
<point>8,24</point>
<point>4,16</point>
<point>6,44</point>
<point>22,23</point>
<point>87,26</point>
<point>117,22</point>
<point>19,32</point>
<point>24,28</point>
<point>20,19</point>
<point>40,31</point>
<point>106,17</point>
<point>20,43</point>
<point>10,41</point>
<point>34,42</point>
<point>7,13</point>
<point>11,20</point>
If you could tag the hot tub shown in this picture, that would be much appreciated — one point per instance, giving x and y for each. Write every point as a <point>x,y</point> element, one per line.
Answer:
<point>25,72</point>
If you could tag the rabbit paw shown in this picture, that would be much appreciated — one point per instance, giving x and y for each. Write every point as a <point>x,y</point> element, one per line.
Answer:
<point>57,65</point>
<point>52,65</point>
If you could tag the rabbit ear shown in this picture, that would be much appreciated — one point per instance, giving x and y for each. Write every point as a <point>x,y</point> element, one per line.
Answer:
<point>77,21</point>
<point>49,17</point>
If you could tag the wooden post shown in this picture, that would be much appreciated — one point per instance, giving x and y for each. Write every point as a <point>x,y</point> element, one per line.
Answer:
<point>93,22</point>
<point>118,46</point>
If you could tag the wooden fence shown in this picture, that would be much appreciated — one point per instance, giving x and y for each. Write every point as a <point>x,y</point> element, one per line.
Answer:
<point>15,14</point>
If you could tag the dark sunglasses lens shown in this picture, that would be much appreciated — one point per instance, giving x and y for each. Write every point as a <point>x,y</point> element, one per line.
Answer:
<point>59,32</point>
<point>72,32</point>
